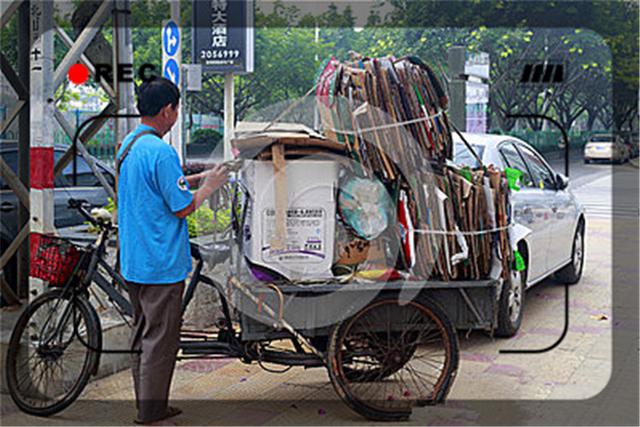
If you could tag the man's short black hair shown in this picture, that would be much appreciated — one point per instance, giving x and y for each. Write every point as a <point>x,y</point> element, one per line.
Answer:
<point>154,94</point>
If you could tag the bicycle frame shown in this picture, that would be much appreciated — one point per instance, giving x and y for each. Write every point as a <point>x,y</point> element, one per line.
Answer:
<point>97,251</point>
<point>228,342</point>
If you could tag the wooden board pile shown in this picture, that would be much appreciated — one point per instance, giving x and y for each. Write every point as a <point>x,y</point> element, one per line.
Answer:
<point>391,115</point>
<point>475,202</point>
<point>366,98</point>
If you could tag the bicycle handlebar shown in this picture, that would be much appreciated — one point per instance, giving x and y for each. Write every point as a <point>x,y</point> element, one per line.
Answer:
<point>198,252</point>
<point>79,205</point>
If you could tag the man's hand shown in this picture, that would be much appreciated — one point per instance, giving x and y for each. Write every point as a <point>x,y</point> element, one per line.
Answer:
<point>216,177</point>
<point>213,179</point>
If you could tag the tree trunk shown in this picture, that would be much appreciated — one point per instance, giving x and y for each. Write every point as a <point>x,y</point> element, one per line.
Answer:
<point>592,116</point>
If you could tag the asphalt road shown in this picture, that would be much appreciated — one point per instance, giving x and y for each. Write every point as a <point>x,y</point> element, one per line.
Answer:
<point>579,172</point>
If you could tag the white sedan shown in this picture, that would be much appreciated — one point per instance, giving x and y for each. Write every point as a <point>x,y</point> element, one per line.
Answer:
<point>545,205</point>
<point>606,147</point>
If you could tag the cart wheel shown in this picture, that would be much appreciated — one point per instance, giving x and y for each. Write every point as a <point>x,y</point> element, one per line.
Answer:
<point>391,356</point>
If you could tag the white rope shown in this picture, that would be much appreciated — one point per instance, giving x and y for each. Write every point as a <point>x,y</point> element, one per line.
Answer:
<point>466,233</point>
<point>390,125</point>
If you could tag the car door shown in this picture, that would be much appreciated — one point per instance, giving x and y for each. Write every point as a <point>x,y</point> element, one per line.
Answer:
<point>86,186</point>
<point>563,208</point>
<point>531,208</point>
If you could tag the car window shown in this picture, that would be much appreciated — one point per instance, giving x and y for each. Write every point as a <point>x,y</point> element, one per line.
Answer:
<point>85,176</point>
<point>601,138</point>
<point>542,176</point>
<point>463,156</point>
<point>513,160</point>
<point>11,159</point>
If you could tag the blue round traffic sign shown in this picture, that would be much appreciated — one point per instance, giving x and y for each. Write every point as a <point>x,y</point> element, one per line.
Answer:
<point>172,71</point>
<point>170,38</point>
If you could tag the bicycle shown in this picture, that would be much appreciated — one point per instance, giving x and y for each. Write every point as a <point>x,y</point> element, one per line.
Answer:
<point>63,323</point>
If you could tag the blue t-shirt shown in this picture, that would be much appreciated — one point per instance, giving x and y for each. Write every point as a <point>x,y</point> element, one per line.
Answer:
<point>154,242</point>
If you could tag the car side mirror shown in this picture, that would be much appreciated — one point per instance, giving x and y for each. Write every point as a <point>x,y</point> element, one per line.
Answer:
<point>562,181</point>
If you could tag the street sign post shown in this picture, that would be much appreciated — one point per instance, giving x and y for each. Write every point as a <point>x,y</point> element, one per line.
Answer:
<point>222,42</point>
<point>192,76</point>
<point>476,70</point>
<point>222,36</point>
<point>171,65</point>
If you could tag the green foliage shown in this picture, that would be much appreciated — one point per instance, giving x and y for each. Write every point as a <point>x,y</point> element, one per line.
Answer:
<point>203,221</point>
<point>206,136</point>
<point>110,206</point>
<point>287,53</point>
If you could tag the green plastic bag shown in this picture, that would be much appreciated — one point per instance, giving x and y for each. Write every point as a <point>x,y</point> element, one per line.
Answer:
<point>513,176</point>
<point>518,261</point>
<point>466,173</point>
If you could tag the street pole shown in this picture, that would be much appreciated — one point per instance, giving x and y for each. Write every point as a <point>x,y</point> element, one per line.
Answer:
<point>41,104</point>
<point>316,113</point>
<point>457,87</point>
<point>228,115</point>
<point>176,132</point>
<point>24,127</point>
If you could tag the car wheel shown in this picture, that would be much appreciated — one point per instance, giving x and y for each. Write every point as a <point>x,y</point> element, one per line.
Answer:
<point>511,305</point>
<point>572,272</point>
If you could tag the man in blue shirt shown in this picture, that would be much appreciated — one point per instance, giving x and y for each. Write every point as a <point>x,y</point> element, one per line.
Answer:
<point>154,199</point>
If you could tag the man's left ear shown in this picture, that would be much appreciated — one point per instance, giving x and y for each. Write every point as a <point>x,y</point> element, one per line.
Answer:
<point>166,110</point>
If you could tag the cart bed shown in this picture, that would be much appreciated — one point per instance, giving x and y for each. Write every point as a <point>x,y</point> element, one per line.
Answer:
<point>313,309</point>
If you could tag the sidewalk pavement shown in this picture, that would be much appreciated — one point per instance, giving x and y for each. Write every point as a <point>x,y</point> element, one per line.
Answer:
<point>228,392</point>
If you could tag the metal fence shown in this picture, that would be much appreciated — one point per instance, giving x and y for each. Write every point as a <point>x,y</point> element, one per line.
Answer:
<point>103,144</point>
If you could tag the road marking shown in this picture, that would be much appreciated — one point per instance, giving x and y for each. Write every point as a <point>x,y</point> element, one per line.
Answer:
<point>597,200</point>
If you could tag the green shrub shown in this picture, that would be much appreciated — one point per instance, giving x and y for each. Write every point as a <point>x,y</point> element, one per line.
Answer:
<point>202,221</point>
<point>206,136</point>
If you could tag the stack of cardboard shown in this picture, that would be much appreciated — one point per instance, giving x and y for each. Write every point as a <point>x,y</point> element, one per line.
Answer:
<point>391,116</point>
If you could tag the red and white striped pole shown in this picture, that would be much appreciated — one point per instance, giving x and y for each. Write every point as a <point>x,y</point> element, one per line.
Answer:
<point>42,107</point>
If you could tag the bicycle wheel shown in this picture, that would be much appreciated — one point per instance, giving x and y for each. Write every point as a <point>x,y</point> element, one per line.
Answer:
<point>391,356</point>
<point>47,366</point>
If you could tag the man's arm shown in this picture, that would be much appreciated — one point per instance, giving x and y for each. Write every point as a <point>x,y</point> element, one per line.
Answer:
<point>214,179</point>
<point>194,180</point>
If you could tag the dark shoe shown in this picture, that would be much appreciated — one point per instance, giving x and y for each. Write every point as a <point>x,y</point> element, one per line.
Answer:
<point>171,412</point>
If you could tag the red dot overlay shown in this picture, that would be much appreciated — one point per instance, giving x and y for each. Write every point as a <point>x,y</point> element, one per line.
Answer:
<point>78,74</point>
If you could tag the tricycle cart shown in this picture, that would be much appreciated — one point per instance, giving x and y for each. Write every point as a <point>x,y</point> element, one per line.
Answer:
<point>387,346</point>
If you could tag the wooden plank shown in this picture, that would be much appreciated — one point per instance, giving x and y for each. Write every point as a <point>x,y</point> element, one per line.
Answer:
<point>12,115</point>
<point>12,77</point>
<point>9,12</point>
<point>83,58</point>
<point>82,42</point>
<point>7,293</point>
<point>14,183</point>
<point>280,190</point>
<point>15,244</point>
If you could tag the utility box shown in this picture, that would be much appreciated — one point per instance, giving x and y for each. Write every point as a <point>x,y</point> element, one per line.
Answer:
<point>306,250</point>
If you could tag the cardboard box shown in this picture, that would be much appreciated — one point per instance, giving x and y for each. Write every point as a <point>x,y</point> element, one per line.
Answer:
<point>307,248</point>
